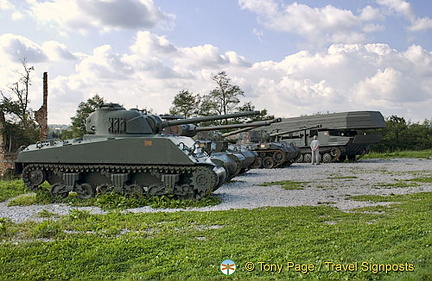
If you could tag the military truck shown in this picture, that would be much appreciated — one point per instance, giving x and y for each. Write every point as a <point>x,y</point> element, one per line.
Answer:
<point>345,135</point>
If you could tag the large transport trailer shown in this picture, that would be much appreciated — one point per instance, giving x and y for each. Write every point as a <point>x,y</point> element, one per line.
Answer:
<point>344,135</point>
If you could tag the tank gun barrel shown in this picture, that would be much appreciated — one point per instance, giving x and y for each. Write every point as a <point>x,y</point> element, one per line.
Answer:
<point>250,126</point>
<point>235,126</point>
<point>169,123</point>
<point>293,131</point>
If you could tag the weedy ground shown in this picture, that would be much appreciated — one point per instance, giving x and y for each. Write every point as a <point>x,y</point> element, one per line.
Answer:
<point>192,245</point>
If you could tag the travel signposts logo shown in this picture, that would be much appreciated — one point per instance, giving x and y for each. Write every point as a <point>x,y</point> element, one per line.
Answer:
<point>228,267</point>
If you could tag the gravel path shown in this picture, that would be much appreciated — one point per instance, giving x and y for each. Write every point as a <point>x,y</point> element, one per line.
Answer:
<point>330,184</point>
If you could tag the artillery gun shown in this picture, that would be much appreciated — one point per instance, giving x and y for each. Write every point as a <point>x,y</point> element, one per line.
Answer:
<point>124,151</point>
<point>234,158</point>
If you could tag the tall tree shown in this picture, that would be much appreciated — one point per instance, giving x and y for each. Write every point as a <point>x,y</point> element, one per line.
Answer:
<point>18,124</point>
<point>225,95</point>
<point>186,104</point>
<point>84,109</point>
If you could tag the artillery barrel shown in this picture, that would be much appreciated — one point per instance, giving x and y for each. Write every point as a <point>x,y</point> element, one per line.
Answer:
<point>235,126</point>
<point>170,123</point>
<point>251,126</point>
<point>293,131</point>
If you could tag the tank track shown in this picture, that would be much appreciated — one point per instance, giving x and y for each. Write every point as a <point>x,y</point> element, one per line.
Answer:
<point>184,182</point>
<point>270,158</point>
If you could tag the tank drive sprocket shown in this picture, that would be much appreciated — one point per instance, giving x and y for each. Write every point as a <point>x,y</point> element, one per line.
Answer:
<point>33,176</point>
<point>203,180</point>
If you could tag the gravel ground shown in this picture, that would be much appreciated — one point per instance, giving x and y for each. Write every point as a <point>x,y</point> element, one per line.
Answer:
<point>330,184</point>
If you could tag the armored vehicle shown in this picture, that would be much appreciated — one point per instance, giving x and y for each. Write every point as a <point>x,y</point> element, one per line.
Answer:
<point>124,151</point>
<point>271,153</point>
<point>346,135</point>
<point>234,158</point>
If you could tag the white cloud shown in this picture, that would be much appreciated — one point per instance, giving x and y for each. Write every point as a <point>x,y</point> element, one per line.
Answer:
<point>153,70</point>
<point>404,9</point>
<point>5,5</point>
<point>318,25</point>
<point>16,47</point>
<point>85,15</point>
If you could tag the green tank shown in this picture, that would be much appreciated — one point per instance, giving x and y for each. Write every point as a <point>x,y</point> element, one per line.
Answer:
<point>345,135</point>
<point>234,159</point>
<point>271,152</point>
<point>124,151</point>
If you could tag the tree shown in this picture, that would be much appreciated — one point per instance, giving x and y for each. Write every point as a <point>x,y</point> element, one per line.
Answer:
<point>78,127</point>
<point>248,106</point>
<point>19,127</point>
<point>225,96</point>
<point>186,104</point>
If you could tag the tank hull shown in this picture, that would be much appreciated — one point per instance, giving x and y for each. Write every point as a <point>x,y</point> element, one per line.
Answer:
<point>150,165</point>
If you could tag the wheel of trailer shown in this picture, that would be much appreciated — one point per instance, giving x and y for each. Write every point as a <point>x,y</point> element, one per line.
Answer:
<point>85,190</point>
<point>203,181</point>
<point>307,158</point>
<point>257,163</point>
<point>268,163</point>
<point>299,159</point>
<point>326,158</point>
<point>59,190</point>
<point>133,190</point>
<point>33,177</point>
<point>278,156</point>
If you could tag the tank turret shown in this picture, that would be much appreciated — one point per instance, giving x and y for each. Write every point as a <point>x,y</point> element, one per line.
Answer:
<point>113,119</point>
<point>124,151</point>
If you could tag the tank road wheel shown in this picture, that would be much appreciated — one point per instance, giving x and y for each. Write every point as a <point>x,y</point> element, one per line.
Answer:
<point>203,181</point>
<point>257,163</point>
<point>85,191</point>
<point>133,190</point>
<point>33,177</point>
<point>299,159</point>
<point>184,191</point>
<point>326,158</point>
<point>307,158</point>
<point>279,156</point>
<point>59,190</point>
<point>268,163</point>
<point>104,188</point>
<point>156,190</point>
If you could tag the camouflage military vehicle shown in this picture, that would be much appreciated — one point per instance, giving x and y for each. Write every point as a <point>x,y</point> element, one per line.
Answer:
<point>124,151</point>
<point>345,135</point>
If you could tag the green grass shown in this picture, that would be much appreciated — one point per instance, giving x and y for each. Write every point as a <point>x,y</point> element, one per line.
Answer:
<point>427,154</point>
<point>9,189</point>
<point>288,184</point>
<point>20,196</point>
<point>191,245</point>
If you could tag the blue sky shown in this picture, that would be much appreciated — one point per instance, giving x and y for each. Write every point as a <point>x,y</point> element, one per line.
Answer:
<point>291,58</point>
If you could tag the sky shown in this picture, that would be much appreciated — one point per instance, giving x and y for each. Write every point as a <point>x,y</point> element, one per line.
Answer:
<point>290,57</point>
